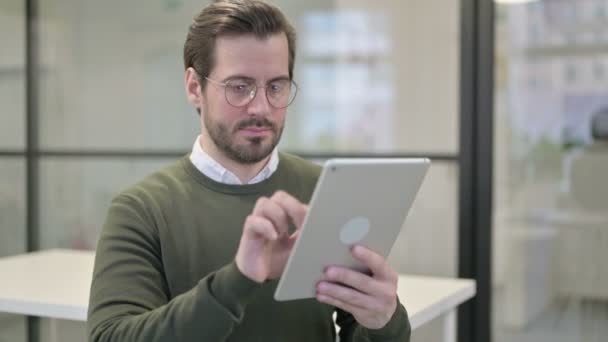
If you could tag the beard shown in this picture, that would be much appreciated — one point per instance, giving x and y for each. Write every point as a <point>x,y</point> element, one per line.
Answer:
<point>254,150</point>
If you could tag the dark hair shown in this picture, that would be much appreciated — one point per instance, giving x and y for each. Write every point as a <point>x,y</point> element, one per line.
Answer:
<point>233,17</point>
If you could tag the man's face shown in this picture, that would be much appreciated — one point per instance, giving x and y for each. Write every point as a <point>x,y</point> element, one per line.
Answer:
<point>245,134</point>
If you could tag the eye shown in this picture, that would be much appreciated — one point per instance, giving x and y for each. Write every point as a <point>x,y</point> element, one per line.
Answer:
<point>277,87</point>
<point>239,87</point>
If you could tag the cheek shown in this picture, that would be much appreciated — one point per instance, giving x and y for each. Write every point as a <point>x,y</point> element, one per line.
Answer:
<point>223,112</point>
<point>280,117</point>
<point>229,117</point>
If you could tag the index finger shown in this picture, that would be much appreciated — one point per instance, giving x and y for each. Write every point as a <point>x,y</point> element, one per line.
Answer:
<point>294,208</point>
<point>375,262</point>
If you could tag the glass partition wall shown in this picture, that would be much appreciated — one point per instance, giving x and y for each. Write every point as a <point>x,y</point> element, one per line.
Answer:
<point>551,164</point>
<point>375,79</point>
<point>12,145</point>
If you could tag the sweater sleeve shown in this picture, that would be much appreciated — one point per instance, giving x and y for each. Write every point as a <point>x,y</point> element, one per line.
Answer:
<point>129,298</point>
<point>398,329</point>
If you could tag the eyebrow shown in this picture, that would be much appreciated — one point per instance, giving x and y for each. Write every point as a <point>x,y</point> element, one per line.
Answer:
<point>279,78</point>
<point>248,78</point>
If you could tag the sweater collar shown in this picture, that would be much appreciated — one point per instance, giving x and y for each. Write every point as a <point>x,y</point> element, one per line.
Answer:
<point>214,170</point>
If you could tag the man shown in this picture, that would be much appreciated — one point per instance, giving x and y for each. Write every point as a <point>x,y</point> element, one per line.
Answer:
<point>193,252</point>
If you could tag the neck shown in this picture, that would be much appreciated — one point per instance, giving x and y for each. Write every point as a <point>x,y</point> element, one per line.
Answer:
<point>244,172</point>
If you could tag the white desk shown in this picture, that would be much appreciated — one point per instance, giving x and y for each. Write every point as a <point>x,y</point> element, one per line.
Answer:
<point>427,298</point>
<point>55,284</point>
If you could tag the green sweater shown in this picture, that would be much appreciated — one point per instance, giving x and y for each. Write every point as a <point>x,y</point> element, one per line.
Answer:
<point>165,270</point>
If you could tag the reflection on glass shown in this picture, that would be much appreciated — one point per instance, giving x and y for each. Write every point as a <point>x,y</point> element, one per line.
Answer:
<point>551,206</point>
<point>428,242</point>
<point>350,86</point>
<point>62,330</point>
<point>12,75</point>
<point>114,69</point>
<point>12,206</point>
<point>75,195</point>
<point>369,81</point>
<point>13,328</point>
<point>12,233</point>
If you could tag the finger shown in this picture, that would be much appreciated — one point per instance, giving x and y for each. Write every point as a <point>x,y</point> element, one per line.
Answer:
<point>295,235</point>
<point>351,297</point>
<point>270,210</point>
<point>355,311</point>
<point>357,280</point>
<point>294,208</point>
<point>375,262</point>
<point>260,226</point>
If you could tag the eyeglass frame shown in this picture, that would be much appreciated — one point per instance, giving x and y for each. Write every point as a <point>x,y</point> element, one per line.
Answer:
<point>255,91</point>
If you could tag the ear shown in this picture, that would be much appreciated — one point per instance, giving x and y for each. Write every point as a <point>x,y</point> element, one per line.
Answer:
<point>193,88</point>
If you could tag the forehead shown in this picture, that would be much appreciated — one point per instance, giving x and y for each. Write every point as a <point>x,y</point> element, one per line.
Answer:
<point>250,56</point>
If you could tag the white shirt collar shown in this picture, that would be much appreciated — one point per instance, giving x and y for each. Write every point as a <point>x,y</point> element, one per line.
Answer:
<point>214,170</point>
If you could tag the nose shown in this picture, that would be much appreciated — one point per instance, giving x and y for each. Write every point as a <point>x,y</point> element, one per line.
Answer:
<point>259,106</point>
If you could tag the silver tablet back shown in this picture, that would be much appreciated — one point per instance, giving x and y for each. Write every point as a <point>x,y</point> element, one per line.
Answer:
<point>356,201</point>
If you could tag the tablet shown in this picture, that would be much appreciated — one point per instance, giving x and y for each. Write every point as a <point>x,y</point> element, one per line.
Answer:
<point>355,201</point>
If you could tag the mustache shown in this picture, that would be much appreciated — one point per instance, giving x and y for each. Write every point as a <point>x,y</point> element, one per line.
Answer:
<point>257,122</point>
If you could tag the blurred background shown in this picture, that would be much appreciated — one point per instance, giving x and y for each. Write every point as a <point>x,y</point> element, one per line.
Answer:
<point>550,220</point>
<point>92,99</point>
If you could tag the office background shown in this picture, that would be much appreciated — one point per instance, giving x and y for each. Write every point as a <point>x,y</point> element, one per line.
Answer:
<point>500,95</point>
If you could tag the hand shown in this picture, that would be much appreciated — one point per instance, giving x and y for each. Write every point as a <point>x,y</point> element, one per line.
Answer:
<point>266,244</point>
<point>372,300</point>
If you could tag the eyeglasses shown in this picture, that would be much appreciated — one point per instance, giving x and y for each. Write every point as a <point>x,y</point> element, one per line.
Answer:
<point>240,92</point>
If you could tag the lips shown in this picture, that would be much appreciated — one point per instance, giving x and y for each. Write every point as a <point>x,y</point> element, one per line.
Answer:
<point>255,124</point>
<point>256,132</point>
<point>255,129</point>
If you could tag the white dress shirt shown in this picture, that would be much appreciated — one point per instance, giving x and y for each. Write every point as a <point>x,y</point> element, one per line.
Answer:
<point>212,169</point>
